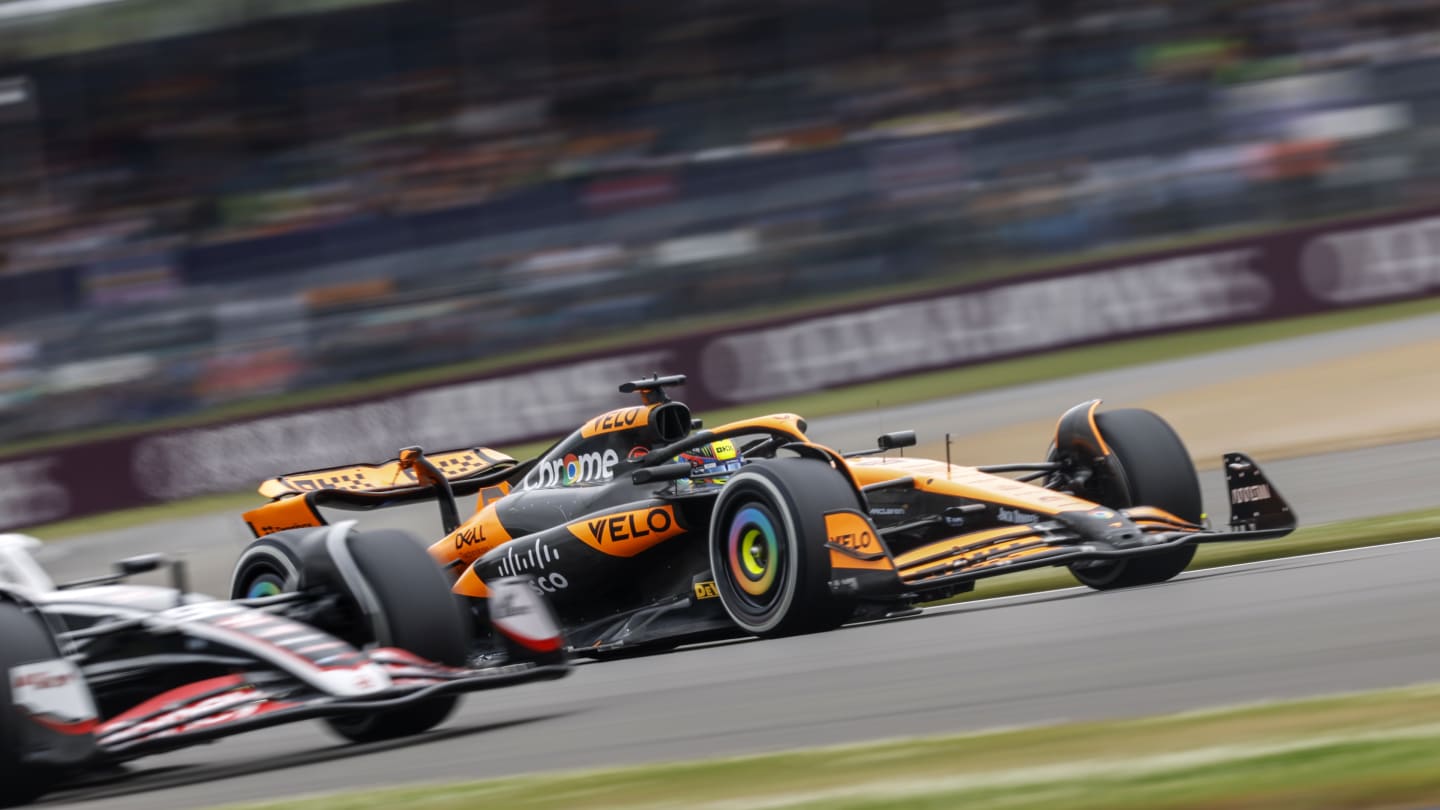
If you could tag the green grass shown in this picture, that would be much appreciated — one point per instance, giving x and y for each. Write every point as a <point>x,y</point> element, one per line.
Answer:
<point>900,391</point>
<point>1375,749</point>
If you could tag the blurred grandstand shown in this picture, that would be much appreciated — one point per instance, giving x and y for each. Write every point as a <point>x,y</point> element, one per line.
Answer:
<point>212,202</point>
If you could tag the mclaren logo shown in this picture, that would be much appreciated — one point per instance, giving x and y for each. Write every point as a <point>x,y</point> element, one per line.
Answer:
<point>1005,515</point>
<point>626,534</point>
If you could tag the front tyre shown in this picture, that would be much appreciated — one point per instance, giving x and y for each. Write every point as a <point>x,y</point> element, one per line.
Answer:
<point>415,611</point>
<point>767,546</point>
<point>23,640</point>
<point>1154,470</point>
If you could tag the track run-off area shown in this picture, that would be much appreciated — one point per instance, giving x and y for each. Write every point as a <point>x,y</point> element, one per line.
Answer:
<point>1287,628</point>
<point>1295,627</point>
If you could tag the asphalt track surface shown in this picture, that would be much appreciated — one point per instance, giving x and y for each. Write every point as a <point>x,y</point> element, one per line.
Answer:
<point>1284,628</point>
<point>1323,488</point>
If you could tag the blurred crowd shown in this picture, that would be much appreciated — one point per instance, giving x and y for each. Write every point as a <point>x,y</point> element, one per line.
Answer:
<point>281,203</point>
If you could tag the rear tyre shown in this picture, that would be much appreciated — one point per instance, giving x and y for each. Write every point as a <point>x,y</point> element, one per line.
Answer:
<point>269,566</point>
<point>1155,470</point>
<point>22,641</point>
<point>767,546</point>
<point>418,613</point>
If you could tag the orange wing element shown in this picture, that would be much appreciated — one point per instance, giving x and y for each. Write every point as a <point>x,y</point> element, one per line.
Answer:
<point>853,542</point>
<point>1154,515</point>
<point>471,540</point>
<point>1104,448</point>
<point>454,464</point>
<point>625,534</point>
<point>1094,427</point>
<point>992,548</point>
<point>966,482</point>
<point>617,420</point>
<point>286,513</point>
<point>489,495</point>
<point>839,560</point>
<point>944,549</point>
<point>787,423</point>
<point>470,584</point>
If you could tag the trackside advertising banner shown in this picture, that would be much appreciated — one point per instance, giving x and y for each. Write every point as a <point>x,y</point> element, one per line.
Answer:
<point>1278,275</point>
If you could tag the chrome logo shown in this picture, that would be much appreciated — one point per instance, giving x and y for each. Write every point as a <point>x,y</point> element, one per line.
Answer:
<point>569,470</point>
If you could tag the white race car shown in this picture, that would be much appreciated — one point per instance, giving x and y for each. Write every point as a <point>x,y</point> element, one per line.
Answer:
<point>101,671</point>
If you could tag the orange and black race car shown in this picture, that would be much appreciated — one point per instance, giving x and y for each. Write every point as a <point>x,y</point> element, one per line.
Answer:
<point>643,528</point>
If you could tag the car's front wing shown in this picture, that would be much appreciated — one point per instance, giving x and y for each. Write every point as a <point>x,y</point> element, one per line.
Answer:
<point>233,704</point>
<point>866,568</point>
<point>957,561</point>
<point>966,557</point>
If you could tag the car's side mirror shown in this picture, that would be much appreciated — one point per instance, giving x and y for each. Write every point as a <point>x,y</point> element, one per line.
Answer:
<point>664,472</point>
<point>896,440</point>
<point>142,564</point>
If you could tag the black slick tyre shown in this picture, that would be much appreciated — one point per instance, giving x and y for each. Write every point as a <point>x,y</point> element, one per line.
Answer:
<point>767,546</point>
<point>22,641</point>
<point>268,566</point>
<point>418,613</point>
<point>1155,470</point>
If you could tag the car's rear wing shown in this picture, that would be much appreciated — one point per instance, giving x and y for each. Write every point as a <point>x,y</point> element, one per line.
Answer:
<point>389,476</point>
<point>413,476</point>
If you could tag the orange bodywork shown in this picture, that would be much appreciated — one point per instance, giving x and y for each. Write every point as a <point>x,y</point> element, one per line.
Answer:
<point>965,482</point>
<point>854,544</point>
<point>625,534</point>
<point>971,552</point>
<point>470,584</point>
<point>950,545</point>
<point>786,423</point>
<point>993,548</point>
<point>471,539</point>
<point>1151,514</point>
<point>293,512</point>
<point>617,420</point>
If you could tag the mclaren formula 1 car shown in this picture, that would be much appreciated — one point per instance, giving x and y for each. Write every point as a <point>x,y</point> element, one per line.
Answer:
<point>644,528</point>
<point>98,672</point>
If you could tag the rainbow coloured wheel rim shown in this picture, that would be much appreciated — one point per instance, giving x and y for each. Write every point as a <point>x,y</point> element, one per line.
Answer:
<point>267,584</point>
<point>755,555</point>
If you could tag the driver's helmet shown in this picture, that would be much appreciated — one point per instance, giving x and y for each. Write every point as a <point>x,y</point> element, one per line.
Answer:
<point>712,461</point>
